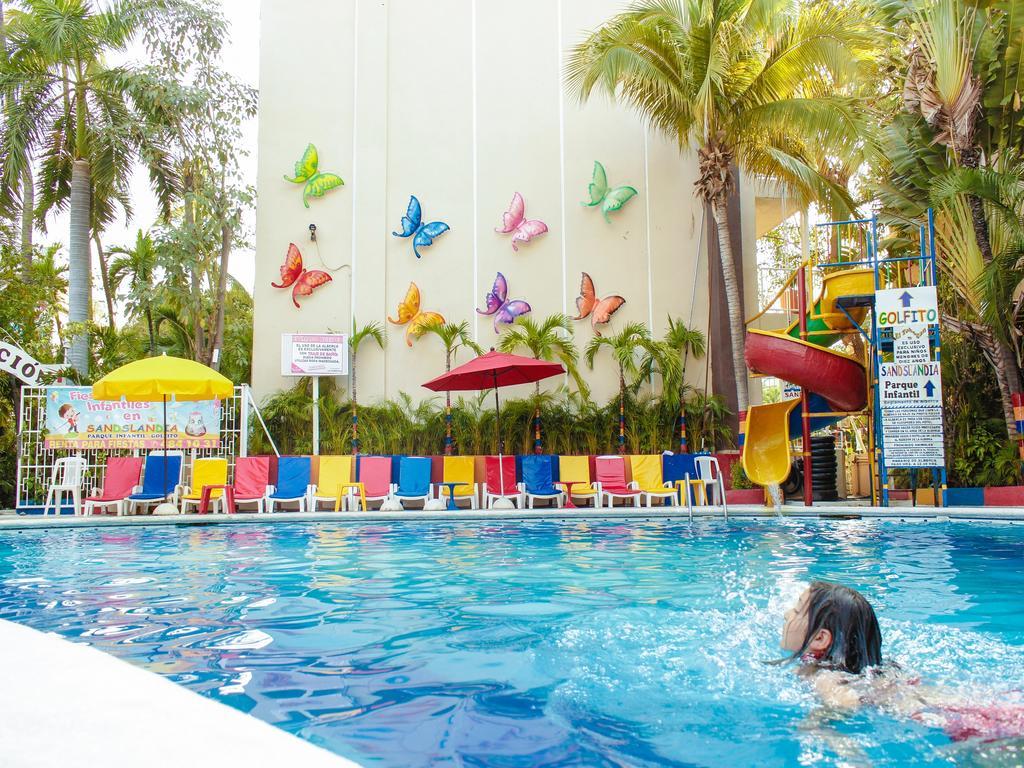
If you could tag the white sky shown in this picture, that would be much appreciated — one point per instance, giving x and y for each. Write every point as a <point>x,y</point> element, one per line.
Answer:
<point>241,58</point>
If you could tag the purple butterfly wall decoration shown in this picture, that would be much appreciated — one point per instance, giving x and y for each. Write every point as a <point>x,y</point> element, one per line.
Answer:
<point>514,222</point>
<point>500,306</point>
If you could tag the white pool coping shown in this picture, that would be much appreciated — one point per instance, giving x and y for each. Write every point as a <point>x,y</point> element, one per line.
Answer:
<point>67,704</point>
<point>749,511</point>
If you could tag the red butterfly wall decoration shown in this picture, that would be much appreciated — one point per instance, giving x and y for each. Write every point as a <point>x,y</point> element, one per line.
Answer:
<point>303,280</point>
<point>600,311</point>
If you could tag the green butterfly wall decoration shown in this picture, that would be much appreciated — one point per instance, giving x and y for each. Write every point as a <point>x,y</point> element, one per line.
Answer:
<point>316,184</point>
<point>609,199</point>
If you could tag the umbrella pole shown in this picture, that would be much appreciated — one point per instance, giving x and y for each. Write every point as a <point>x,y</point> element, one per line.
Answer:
<point>501,443</point>
<point>165,445</point>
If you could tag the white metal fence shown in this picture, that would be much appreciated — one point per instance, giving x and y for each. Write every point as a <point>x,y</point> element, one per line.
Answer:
<point>35,461</point>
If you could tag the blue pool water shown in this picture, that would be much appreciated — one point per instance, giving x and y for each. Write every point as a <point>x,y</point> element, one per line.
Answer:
<point>599,644</point>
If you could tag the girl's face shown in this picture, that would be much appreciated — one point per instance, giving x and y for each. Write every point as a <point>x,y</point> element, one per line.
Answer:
<point>794,630</point>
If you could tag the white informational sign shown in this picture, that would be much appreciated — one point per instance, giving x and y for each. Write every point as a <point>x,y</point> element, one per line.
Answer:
<point>321,354</point>
<point>910,344</point>
<point>790,391</point>
<point>895,307</point>
<point>20,363</point>
<point>910,397</point>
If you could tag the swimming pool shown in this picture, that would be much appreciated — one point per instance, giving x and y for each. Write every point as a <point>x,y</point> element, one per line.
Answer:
<point>542,643</point>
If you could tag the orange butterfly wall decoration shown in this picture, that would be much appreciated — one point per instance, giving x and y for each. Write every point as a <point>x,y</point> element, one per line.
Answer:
<point>409,312</point>
<point>600,311</point>
<point>304,281</point>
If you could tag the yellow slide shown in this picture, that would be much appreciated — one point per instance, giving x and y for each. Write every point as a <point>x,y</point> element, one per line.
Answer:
<point>766,450</point>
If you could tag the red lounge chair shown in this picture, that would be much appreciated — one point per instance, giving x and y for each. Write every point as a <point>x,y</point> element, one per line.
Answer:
<point>252,480</point>
<point>501,485</point>
<point>121,481</point>
<point>611,474</point>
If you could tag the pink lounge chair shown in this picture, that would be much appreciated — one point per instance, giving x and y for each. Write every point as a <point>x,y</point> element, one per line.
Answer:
<point>252,480</point>
<point>375,475</point>
<point>120,481</point>
<point>501,485</point>
<point>611,474</point>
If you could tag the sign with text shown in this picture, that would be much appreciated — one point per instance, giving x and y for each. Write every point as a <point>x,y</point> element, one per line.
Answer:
<point>75,420</point>
<point>20,363</point>
<point>910,344</point>
<point>895,307</point>
<point>322,354</point>
<point>910,397</point>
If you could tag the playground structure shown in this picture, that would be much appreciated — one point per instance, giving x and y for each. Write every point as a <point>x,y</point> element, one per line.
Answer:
<point>844,276</point>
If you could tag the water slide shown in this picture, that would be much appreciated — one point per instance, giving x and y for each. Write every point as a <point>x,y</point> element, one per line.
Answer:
<point>834,381</point>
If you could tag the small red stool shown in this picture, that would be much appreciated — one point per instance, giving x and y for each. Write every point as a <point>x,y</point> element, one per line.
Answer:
<point>229,498</point>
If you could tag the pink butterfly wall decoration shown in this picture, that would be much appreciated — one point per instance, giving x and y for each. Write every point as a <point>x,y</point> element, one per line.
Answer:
<point>514,221</point>
<point>499,305</point>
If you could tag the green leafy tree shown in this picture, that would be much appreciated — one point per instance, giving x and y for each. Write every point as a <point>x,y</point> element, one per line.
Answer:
<point>751,83</point>
<point>137,267</point>
<point>627,347</point>
<point>551,340</point>
<point>85,119</point>
<point>684,343</point>
<point>376,333</point>
<point>453,338</point>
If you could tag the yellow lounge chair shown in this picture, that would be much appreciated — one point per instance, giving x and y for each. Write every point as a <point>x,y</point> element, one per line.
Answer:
<point>577,469</point>
<point>334,470</point>
<point>460,469</point>
<point>205,472</point>
<point>648,479</point>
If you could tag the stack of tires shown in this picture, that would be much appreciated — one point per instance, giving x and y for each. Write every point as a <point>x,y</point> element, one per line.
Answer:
<point>824,468</point>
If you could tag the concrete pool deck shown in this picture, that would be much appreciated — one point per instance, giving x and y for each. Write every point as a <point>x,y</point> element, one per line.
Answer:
<point>1010,514</point>
<point>67,704</point>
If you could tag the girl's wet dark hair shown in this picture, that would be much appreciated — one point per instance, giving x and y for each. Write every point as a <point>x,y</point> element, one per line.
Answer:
<point>849,617</point>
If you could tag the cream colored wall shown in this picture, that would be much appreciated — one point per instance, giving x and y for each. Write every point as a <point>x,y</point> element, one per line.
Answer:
<point>460,103</point>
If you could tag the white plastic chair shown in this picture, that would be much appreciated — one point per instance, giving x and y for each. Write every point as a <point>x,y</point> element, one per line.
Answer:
<point>67,477</point>
<point>710,474</point>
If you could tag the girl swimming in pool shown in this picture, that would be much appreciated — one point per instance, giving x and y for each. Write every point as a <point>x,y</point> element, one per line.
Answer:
<point>833,632</point>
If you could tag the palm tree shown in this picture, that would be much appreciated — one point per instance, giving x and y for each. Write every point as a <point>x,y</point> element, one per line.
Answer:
<point>963,80</point>
<point>684,342</point>
<point>746,82</point>
<point>625,346</point>
<point>549,340</point>
<point>83,118</point>
<point>138,266</point>
<point>376,333</point>
<point>453,337</point>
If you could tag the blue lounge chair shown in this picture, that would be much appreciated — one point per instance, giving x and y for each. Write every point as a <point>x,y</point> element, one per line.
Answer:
<point>681,466</point>
<point>160,480</point>
<point>293,482</point>
<point>414,479</point>
<point>538,480</point>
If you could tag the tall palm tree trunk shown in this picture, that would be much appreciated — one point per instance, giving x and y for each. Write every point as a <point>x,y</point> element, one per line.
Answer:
<point>105,279</point>
<point>28,204</point>
<point>151,328</point>
<point>79,264</point>
<point>222,290</point>
<point>732,295</point>
<point>683,447</point>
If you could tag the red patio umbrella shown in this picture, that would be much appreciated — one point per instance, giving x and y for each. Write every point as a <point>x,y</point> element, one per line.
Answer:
<point>493,370</point>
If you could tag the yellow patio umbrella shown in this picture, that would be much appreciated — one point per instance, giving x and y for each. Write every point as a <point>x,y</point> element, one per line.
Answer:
<point>153,379</point>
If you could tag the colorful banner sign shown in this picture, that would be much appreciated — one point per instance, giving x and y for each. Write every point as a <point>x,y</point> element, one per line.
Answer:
<point>74,420</point>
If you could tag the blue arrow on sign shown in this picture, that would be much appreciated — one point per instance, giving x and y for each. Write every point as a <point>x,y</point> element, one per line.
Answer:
<point>906,298</point>
<point>929,388</point>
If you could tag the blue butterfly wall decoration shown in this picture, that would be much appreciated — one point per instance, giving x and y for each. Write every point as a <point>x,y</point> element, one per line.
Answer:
<point>422,234</point>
